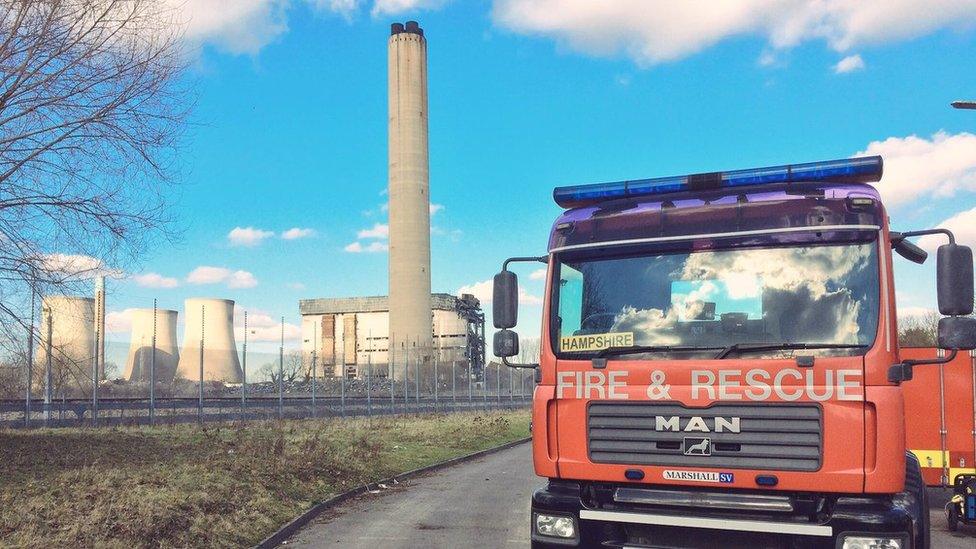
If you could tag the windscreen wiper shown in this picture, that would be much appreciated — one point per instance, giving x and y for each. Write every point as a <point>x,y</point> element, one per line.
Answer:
<point>614,351</point>
<point>748,347</point>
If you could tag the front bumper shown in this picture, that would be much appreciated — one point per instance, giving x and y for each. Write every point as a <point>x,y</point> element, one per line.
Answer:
<point>607,524</point>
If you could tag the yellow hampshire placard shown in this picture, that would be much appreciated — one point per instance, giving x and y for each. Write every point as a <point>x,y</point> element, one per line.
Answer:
<point>596,342</point>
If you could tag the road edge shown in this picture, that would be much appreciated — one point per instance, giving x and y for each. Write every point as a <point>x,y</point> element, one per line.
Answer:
<point>289,529</point>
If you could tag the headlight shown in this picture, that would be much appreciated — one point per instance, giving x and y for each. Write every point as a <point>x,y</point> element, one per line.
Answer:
<point>556,526</point>
<point>872,542</point>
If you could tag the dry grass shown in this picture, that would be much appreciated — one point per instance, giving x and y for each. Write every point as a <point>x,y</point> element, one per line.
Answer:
<point>216,486</point>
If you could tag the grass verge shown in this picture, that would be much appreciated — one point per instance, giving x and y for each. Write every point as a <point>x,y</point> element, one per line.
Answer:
<point>213,486</point>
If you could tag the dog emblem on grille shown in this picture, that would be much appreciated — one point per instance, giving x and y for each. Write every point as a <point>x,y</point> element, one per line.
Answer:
<point>697,446</point>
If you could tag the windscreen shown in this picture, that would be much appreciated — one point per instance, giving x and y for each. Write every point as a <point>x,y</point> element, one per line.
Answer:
<point>688,303</point>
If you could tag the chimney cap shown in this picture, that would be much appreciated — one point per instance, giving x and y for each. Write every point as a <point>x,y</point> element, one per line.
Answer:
<point>396,28</point>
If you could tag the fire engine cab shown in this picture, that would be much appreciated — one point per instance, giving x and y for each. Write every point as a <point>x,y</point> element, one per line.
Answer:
<point>720,366</point>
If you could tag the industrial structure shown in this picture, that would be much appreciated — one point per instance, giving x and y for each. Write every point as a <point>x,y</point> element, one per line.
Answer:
<point>209,325</point>
<point>67,336</point>
<point>167,356</point>
<point>350,335</point>
<point>410,300</point>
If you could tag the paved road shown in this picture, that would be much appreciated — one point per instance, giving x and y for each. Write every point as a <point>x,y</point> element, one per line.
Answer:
<point>481,503</point>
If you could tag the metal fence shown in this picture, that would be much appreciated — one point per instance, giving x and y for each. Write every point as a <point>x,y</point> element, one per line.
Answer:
<point>456,390</point>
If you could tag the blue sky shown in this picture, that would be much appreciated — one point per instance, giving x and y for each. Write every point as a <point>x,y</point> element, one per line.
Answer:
<point>289,129</point>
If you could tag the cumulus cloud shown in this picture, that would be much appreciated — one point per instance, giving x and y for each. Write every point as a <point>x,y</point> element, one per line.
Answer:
<point>296,232</point>
<point>483,291</point>
<point>247,236</point>
<point>434,208</point>
<point>76,266</point>
<point>372,247</point>
<point>118,322</point>
<point>963,225</point>
<point>851,63</point>
<point>295,286</point>
<point>673,29</point>
<point>238,27</point>
<point>538,274</point>
<point>155,280</point>
<point>216,275</point>
<point>379,231</point>
<point>916,167</point>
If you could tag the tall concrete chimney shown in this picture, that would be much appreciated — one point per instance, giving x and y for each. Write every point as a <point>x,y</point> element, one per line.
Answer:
<point>410,320</point>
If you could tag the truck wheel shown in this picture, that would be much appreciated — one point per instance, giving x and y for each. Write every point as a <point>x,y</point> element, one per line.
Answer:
<point>915,488</point>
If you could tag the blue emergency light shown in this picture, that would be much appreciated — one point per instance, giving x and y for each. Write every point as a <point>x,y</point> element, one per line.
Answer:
<point>848,170</point>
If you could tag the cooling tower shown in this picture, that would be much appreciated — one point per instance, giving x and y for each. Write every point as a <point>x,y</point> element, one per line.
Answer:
<point>212,321</point>
<point>139,363</point>
<point>410,320</point>
<point>72,341</point>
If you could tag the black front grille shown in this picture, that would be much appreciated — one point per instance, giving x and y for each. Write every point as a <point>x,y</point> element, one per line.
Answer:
<point>781,437</point>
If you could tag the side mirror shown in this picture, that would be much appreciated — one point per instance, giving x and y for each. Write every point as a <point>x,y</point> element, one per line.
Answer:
<point>954,266</point>
<point>505,344</point>
<point>910,251</point>
<point>504,306</point>
<point>957,333</point>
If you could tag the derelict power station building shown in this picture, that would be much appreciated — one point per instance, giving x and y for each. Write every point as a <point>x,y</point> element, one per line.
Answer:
<point>351,334</point>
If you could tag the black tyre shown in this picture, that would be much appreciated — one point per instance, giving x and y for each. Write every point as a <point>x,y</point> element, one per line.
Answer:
<point>916,490</point>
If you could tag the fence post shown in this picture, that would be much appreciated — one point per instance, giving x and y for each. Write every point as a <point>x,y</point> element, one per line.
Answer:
<point>152,372</point>
<point>314,373</point>
<point>244,373</point>
<point>342,386</point>
<point>454,385</point>
<point>470,394</point>
<point>30,361</point>
<point>437,380</point>
<point>48,375</point>
<point>281,372</point>
<point>369,376</point>
<point>391,372</point>
<point>416,376</point>
<point>511,387</point>
<point>94,410</point>
<point>203,323</point>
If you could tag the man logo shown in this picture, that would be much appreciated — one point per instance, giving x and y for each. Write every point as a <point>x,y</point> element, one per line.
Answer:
<point>697,446</point>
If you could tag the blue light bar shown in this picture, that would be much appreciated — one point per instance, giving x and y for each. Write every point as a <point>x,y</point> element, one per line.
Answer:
<point>849,170</point>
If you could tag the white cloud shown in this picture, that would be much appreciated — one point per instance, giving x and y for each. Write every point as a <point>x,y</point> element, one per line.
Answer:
<point>394,7</point>
<point>248,236</point>
<point>207,275</point>
<point>538,274</point>
<point>118,322</point>
<point>483,291</point>
<point>434,208</point>
<point>767,59</point>
<point>241,279</point>
<point>295,286</point>
<point>379,231</point>
<point>76,266</point>
<point>239,27</point>
<point>916,167</point>
<point>669,30</point>
<point>296,233</point>
<point>216,275</point>
<point>962,225</point>
<point>373,247</point>
<point>908,312</point>
<point>345,8</point>
<point>848,64</point>
<point>155,280</point>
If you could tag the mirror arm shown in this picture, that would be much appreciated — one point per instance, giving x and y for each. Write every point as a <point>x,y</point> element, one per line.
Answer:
<point>540,259</point>
<point>907,234</point>
<point>903,371</point>
<point>528,366</point>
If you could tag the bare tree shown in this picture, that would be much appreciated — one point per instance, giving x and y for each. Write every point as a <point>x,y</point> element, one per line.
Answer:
<point>91,113</point>
<point>291,368</point>
<point>919,330</point>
